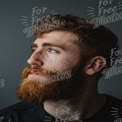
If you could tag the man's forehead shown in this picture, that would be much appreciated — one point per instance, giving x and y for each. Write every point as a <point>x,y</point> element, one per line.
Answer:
<point>58,36</point>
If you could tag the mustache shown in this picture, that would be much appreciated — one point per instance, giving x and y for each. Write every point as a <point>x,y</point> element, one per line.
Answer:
<point>40,71</point>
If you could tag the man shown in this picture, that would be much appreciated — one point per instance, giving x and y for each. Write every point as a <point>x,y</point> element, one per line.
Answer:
<point>68,58</point>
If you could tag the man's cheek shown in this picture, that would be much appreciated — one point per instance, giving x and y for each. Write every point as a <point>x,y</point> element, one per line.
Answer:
<point>56,63</point>
<point>51,60</point>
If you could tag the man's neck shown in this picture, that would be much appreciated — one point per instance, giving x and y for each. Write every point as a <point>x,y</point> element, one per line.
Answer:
<point>81,107</point>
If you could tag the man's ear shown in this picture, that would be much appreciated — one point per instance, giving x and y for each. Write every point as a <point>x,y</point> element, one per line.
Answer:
<point>95,65</point>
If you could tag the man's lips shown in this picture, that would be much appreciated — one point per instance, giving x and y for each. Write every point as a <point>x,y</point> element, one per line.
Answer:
<point>33,73</point>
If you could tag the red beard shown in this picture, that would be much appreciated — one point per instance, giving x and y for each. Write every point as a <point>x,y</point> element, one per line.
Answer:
<point>33,91</point>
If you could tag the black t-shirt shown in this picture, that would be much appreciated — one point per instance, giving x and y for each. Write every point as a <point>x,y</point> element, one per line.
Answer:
<point>34,112</point>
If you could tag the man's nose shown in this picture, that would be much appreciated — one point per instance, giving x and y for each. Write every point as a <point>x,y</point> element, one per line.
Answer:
<point>35,60</point>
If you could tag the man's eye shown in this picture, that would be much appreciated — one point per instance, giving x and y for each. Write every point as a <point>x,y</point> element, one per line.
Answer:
<point>52,50</point>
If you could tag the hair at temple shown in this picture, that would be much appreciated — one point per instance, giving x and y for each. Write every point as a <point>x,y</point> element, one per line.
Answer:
<point>92,41</point>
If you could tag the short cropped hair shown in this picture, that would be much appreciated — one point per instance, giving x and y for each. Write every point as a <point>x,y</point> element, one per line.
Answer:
<point>93,41</point>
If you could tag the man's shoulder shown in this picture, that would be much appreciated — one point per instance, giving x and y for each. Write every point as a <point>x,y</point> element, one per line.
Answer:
<point>112,111</point>
<point>16,107</point>
<point>22,112</point>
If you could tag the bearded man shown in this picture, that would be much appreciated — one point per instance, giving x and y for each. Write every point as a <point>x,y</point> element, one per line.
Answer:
<point>68,58</point>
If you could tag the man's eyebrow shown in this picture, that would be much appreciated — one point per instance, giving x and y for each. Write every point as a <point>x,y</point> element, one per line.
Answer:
<point>33,45</point>
<point>52,44</point>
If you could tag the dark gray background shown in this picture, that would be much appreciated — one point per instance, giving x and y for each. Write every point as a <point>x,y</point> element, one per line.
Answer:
<point>15,47</point>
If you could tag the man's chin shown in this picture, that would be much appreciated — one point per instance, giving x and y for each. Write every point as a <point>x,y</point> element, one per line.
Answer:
<point>31,90</point>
